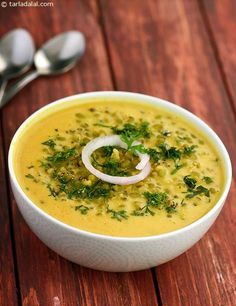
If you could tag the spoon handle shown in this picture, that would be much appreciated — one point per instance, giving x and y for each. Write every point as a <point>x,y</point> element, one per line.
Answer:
<point>17,86</point>
<point>3,84</point>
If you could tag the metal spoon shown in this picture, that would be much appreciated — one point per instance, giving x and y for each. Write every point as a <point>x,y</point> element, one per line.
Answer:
<point>56,56</point>
<point>16,55</point>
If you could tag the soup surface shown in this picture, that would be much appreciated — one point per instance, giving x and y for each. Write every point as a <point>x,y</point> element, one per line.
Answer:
<point>185,181</point>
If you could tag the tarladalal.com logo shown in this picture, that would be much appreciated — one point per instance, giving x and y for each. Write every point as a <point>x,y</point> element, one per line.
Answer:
<point>26,4</point>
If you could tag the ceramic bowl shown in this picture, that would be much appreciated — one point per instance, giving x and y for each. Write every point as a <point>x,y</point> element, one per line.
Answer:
<point>109,253</point>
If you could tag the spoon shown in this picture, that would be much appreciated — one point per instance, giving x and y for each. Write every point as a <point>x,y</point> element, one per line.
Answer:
<point>57,55</point>
<point>16,55</point>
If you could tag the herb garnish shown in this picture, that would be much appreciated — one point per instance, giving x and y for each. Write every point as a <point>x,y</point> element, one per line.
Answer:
<point>153,200</point>
<point>194,190</point>
<point>31,177</point>
<point>145,210</point>
<point>154,154</point>
<point>111,167</point>
<point>189,150</point>
<point>61,156</point>
<point>190,182</point>
<point>171,208</point>
<point>44,165</point>
<point>83,209</point>
<point>108,150</point>
<point>130,132</point>
<point>50,143</point>
<point>52,191</point>
<point>197,191</point>
<point>118,215</point>
<point>177,167</point>
<point>95,191</point>
<point>171,153</point>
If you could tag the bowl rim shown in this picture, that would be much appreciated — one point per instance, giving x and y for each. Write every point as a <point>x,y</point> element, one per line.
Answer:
<point>137,97</point>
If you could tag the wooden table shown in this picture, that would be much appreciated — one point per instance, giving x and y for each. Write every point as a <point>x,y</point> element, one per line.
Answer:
<point>180,50</point>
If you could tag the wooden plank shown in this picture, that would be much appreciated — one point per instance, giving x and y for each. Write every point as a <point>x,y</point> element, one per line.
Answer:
<point>8,293</point>
<point>117,288</point>
<point>220,19</point>
<point>162,48</point>
<point>45,278</point>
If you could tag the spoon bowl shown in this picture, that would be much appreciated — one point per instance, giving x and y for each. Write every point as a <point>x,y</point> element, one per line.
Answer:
<point>60,54</point>
<point>16,53</point>
<point>16,56</point>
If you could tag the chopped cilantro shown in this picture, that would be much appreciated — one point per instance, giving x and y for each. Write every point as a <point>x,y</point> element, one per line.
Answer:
<point>197,191</point>
<point>130,132</point>
<point>169,152</point>
<point>80,191</point>
<point>44,165</point>
<point>154,155</point>
<point>50,143</point>
<point>97,192</point>
<point>171,208</point>
<point>145,210</point>
<point>155,199</point>
<point>52,191</point>
<point>113,167</point>
<point>190,182</point>
<point>138,148</point>
<point>189,150</point>
<point>107,150</point>
<point>194,190</point>
<point>61,156</point>
<point>118,215</point>
<point>83,209</point>
<point>177,167</point>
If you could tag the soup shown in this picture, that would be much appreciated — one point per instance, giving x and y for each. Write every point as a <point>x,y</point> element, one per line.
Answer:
<point>179,178</point>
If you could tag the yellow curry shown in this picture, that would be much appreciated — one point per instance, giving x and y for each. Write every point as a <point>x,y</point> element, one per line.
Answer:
<point>185,181</point>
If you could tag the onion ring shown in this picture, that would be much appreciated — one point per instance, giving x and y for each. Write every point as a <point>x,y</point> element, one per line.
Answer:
<point>115,140</point>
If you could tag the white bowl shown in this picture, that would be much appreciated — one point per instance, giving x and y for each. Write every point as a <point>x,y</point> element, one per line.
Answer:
<point>109,253</point>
